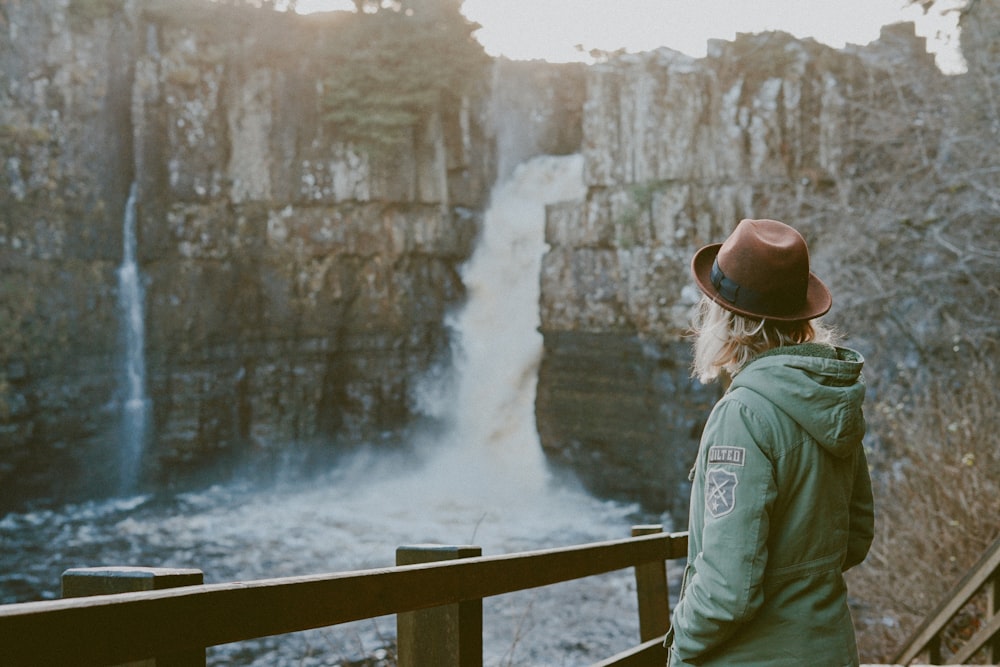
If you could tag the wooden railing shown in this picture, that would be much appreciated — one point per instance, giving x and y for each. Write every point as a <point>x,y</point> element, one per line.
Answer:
<point>438,606</point>
<point>927,638</point>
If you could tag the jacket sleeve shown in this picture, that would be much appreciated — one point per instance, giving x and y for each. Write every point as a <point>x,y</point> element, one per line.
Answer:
<point>725,582</point>
<point>861,529</point>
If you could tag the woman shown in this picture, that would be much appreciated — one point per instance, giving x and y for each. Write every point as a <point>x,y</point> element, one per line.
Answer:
<point>781,501</point>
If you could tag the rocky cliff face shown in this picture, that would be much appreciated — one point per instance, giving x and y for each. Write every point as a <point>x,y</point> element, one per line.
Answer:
<point>677,151</point>
<point>294,287</point>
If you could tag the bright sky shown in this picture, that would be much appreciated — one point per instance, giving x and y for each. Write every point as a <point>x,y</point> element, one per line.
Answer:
<point>551,29</point>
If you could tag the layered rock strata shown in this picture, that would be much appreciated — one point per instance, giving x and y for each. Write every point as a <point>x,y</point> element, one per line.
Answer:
<point>295,287</point>
<point>677,151</point>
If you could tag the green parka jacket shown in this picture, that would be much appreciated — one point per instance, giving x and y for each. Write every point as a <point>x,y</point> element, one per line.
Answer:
<point>781,505</point>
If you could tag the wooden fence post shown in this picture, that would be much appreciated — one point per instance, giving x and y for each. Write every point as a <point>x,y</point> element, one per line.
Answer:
<point>83,581</point>
<point>652,591</point>
<point>934,650</point>
<point>992,609</point>
<point>446,636</point>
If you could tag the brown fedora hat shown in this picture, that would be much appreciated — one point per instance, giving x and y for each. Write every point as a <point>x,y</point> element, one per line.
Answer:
<point>762,271</point>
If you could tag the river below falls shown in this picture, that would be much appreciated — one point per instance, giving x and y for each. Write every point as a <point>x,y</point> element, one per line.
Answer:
<point>350,519</point>
<point>482,481</point>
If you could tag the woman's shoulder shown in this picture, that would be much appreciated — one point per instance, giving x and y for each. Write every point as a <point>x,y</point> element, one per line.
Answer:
<point>742,410</point>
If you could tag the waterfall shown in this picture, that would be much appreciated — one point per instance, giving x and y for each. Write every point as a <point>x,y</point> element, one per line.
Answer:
<point>484,483</point>
<point>134,402</point>
<point>492,439</point>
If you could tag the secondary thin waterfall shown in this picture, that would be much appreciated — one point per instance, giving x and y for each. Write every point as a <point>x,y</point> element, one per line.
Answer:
<point>490,410</point>
<point>134,402</point>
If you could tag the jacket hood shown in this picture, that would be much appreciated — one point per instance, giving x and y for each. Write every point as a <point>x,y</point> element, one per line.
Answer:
<point>819,386</point>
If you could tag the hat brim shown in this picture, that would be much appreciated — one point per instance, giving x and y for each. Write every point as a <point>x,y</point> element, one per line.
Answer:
<point>817,302</point>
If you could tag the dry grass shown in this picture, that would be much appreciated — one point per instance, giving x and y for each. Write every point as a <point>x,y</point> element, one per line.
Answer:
<point>937,486</point>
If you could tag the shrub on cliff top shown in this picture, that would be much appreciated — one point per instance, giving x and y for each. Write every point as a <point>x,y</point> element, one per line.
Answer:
<point>395,63</point>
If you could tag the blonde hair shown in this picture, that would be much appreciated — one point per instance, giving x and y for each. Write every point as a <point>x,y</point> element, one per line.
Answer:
<point>724,341</point>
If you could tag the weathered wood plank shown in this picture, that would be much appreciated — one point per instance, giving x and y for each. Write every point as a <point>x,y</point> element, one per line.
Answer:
<point>131,626</point>
<point>993,609</point>
<point>652,592</point>
<point>446,636</point>
<point>86,581</point>
<point>956,598</point>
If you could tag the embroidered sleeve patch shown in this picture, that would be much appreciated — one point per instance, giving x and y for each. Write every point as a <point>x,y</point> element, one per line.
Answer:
<point>735,455</point>
<point>720,492</point>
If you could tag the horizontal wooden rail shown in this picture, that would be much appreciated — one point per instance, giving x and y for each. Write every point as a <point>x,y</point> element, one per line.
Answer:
<point>131,626</point>
<point>926,637</point>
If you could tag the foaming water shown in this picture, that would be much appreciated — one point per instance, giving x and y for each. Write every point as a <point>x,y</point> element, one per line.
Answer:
<point>491,444</point>
<point>481,481</point>
<point>353,519</point>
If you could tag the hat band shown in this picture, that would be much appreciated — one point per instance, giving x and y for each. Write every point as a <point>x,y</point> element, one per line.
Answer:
<point>740,296</point>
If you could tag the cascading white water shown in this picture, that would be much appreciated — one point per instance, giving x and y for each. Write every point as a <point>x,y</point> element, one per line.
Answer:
<point>134,402</point>
<point>492,442</point>
<point>484,484</point>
